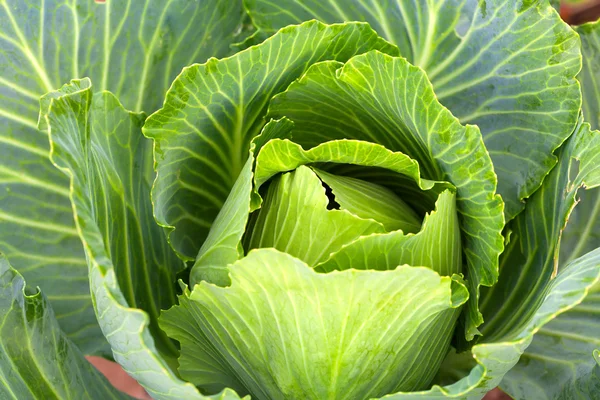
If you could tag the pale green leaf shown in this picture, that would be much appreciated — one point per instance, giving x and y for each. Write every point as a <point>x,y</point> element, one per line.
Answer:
<point>223,244</point>
<point>361,159</point>
<point>37,360</point>
<point>131,47</point>
<point>284,331</point>
<point>294,219</point>
<point>370,200</point>
<point>100,147</point>
<point>385,100</point>
<point>506,66</point>
<point>212,111</point>
<point>436,246</point>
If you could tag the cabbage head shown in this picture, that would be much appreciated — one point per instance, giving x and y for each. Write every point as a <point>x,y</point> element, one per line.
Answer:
<point>352,199</point>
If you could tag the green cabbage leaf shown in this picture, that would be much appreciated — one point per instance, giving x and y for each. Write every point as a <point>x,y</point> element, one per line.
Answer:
<point>344,200</point>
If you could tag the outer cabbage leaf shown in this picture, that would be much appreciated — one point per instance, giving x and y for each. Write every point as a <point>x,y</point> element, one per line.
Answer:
<point>282,330</point>
<point>562,362</point>
<point>213,111</point>
<point>37,360</point>
<point>590,76</point>
<point>100,146</point>
<point>495,359</point>
<point>533,252</point>
<point>582,233</point>
<point>493,63</point>
<point>132,47</point>
<point>385,100</point>
<point>566,350</point>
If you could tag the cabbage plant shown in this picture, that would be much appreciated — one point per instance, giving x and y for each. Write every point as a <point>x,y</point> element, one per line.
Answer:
<point>299,199</point>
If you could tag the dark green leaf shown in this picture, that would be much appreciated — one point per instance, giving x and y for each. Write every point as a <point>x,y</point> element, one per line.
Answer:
<point>495,359</point>
<point>531,254</point>
<point>562,362</point>
<point>582,233</point>
<point>133,48</point>
<point>100,146</point>
<point>37,360</point>
<point>590,72</point>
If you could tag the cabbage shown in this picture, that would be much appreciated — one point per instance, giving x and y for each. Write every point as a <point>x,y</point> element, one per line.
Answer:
<point>367,199</point>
